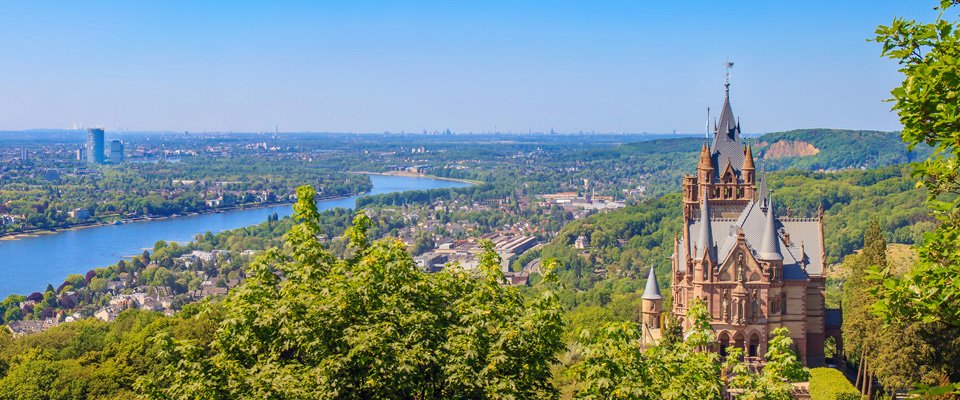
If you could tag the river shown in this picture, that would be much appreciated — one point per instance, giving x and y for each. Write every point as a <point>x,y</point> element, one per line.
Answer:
<point>28,264</point>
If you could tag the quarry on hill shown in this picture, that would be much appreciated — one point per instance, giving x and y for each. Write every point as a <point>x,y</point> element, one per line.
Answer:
<point>788,148</point>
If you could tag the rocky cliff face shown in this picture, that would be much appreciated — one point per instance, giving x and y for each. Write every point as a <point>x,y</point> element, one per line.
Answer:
<point>788,148</point>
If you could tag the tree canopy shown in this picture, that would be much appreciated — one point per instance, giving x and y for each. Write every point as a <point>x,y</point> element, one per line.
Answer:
<point>309,325</point>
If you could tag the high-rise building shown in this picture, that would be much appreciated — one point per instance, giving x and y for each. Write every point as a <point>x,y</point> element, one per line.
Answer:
<point>116,151</point>
<point>754,270</point>
<point>95,148</point>
<point>80,153</point>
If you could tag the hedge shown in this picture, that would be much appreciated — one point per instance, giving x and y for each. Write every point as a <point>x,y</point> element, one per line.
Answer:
<point>830,384</point>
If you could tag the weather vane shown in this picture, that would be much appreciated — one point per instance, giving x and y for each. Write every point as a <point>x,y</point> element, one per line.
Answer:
<point>729,65</point>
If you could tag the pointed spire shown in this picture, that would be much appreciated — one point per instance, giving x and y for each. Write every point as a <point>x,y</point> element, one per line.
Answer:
<point>748,158</point>
<point>727,128</point>
<point>652,291</point>
<point>706,133</point>
<point>705,161</point>
<point>770,246</point>
<point>762,194</point>
<point>705,243</point>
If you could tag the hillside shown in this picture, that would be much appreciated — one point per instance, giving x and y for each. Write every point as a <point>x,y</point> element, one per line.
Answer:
<point>626,242</point>
<point>834,149</point>
<point>661,164</point>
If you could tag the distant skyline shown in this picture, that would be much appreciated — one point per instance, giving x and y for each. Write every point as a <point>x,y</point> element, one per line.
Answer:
<point>363,66</point>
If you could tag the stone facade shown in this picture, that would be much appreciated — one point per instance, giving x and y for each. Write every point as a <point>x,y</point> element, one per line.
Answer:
<point>755,271</point>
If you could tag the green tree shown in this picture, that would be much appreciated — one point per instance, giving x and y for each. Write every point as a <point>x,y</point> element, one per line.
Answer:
<point>615,367</point>
<point>927,104</point>
<point>307,324</point>
<point>773,383</point>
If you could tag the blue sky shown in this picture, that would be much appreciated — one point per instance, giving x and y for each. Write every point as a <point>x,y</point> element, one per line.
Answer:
<point>360,66</point>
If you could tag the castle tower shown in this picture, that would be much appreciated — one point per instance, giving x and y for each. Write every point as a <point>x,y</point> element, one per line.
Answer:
<point>754,270</point>
<point>651,303</point>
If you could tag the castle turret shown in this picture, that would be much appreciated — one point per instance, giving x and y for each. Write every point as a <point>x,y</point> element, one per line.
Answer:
<point>705,171</point>
<point>705,247</point>
<point>651,302</point>
<point>770,245</point>
<point>762,193</point>
<point>748,170</point>
<point>705,162</point>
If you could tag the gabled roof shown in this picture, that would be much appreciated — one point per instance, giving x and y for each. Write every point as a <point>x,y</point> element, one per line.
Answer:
<point>652,291</point>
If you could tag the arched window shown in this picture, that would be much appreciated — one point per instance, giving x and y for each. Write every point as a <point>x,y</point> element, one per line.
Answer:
<point>783,303</point>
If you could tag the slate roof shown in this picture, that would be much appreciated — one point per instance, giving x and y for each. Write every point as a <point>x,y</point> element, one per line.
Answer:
<point>682,257</point>
<point>762,191</point>
<point>706,235</point>
<point>726,140</point>
<point>652,291</point>
<point>752,220</point>
<point>770,243</point>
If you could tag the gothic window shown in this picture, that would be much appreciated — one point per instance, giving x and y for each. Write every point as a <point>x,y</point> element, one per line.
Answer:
<point>783,303</point>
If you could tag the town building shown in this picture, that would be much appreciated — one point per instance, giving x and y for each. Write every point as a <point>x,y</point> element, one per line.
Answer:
<point>753,269</point>
<point>80,213</point>
<point>95,148</point>
<point>116,151</point>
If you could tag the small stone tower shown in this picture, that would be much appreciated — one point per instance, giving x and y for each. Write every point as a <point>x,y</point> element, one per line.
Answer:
<point>652,304</point>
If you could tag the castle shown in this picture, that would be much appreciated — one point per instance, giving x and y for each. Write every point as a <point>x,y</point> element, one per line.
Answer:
<point>754,270</point>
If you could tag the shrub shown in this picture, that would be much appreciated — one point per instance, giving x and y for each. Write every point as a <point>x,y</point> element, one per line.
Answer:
<point>830,384</point>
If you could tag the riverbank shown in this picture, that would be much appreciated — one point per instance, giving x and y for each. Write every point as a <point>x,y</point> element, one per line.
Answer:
<point>49,258</point>
<point>94,224</point>
<point>418,175</point>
